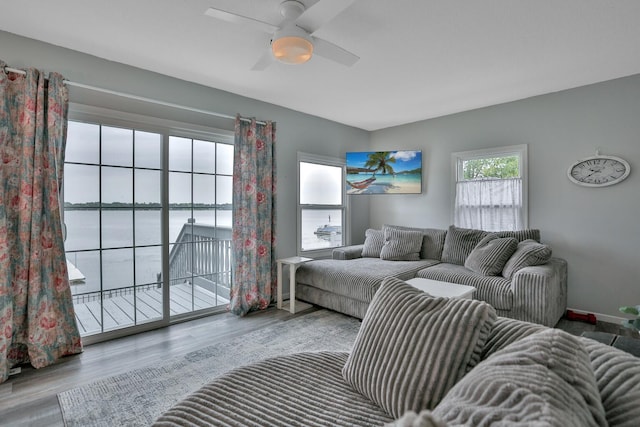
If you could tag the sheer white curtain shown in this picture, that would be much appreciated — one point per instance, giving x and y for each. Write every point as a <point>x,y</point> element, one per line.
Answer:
<point>491,204</point>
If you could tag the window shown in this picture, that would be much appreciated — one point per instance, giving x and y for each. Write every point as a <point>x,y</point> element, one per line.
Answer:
<point>321,204</point>
<point>148,221</point>
<point>490,188</point>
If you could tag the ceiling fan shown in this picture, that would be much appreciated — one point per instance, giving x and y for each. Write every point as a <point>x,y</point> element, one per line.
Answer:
<point>292,40</point>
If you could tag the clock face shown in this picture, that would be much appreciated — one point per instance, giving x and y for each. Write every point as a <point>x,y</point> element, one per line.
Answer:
<point>599,171</point>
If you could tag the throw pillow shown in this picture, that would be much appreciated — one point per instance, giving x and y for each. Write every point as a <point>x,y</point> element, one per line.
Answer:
<point>373,242</point>
<point>521,235</point>
<point>529,253</point>
<point>544,379</point>
<point>432,240</point>
<point>459,243</point>
<point>401,245</point>
<point>491,254</point>
<point>412,348</point>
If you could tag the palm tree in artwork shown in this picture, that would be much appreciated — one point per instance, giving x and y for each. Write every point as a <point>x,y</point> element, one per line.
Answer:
<point>379,161</point>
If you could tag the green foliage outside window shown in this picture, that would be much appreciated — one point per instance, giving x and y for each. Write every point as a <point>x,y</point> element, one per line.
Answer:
<point>491,168</point>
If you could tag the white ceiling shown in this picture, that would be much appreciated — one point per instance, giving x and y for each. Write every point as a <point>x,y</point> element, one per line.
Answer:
<point>419,58</point>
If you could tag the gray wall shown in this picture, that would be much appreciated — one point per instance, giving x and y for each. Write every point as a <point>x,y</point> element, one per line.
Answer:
<point>595,229</point>
<point>294,131</point>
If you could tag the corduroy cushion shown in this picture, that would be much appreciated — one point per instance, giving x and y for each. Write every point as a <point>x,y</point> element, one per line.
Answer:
<point>373,242</point>
<point>432,240</point>
<point>401,245</point>
<point>544,379</point>
<point>412,348</point>
<point>491,254</point>
<point>459,243</point>
<point>528,253</point>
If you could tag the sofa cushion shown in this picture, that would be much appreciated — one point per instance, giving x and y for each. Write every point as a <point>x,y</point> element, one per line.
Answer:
<point>617,374</point>
<point>301,389</point>
<point>432,240</point>
<point>491,254</point>
<point>528,253</point>
<point>401,245</point>
<point>543,379</point>
<point>459,243</point>
<point>521,235</point>
<point>412,348</point>
<point>496,290</point>
<point>373,243</point>
<point>358,278</point>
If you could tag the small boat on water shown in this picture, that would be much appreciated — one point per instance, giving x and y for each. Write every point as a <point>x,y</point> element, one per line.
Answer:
<point>327,230</point>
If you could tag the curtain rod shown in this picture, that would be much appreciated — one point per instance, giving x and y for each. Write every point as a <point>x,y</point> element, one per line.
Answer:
<point>140,98</point>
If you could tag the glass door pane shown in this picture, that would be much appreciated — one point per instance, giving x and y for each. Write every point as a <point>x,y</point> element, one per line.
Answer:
<point>200,249</point>
<point>113,216</point>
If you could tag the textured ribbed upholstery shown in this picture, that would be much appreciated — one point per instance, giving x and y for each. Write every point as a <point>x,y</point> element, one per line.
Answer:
<point>528,253</point>
<point>459,243</point>
<point>331,300</point>
<point>496,290</point>
<point>545,379</point>
<point>491,254</point>
<point>540,293</point>
<point>308,389</point>
<point>432,240</point>
<point>534,294</point>
<point>618,377</point>
<point>521,235</point>
<point>359,278</point>
<point>373,243</point>
<point>401,245</point>
<point>412,348</point>
<point>304,389</point>
<point>347,252</point>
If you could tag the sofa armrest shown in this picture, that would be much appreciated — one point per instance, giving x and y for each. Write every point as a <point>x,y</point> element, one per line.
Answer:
<point>540,292</point>
<point>348,252</point>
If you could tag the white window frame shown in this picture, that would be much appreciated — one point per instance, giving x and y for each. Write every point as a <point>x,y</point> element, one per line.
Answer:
<point>520,151</point>
<point>326,161</point>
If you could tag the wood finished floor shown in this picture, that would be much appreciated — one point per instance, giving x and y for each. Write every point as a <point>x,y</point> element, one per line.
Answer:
<point>30,398</point>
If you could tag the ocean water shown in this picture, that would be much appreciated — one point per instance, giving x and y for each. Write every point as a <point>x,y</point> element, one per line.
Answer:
<point>124,265</point>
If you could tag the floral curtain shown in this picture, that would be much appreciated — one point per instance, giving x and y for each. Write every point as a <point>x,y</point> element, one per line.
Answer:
<point>489,204</point>
<point>37,321</point>
<point>254,216</point>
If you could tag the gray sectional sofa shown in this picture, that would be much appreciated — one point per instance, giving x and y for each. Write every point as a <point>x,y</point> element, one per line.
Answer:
<point>420,361</point>
<point>511,270</point>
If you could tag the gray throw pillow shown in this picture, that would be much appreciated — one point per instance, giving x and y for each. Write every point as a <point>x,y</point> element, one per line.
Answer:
<point>432,240</point>
<point>529,253</point>
<point>459,243</point>
<point>544,379</point>
<point>401,245</point>
<point>373,243</point>
<point>412,348</point>
<point>491,254</point>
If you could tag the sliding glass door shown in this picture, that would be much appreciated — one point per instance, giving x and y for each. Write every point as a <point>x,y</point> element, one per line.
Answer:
<point>134,245</point>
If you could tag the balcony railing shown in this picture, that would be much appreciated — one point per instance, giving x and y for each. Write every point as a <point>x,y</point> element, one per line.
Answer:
<point>199,276</point>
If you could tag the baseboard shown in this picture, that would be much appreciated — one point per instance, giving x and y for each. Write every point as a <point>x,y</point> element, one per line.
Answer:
<point>601,317</point>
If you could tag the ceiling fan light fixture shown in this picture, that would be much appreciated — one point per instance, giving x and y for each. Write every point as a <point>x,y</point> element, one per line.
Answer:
<point>292,46</point>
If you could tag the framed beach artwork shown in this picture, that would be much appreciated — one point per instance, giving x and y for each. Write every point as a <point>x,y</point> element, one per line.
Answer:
<point>384,172</point>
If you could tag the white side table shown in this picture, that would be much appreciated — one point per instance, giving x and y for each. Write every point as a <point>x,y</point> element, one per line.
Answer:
<point>293,262</point>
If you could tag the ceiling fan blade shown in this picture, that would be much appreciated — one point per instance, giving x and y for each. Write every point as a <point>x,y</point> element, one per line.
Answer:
<point>333,52</point>
<point>265,60</point>
<point>234,18</point>
<point>320,13</point>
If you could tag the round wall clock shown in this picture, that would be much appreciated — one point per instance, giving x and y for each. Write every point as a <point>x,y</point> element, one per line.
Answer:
<point>599,171</point>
